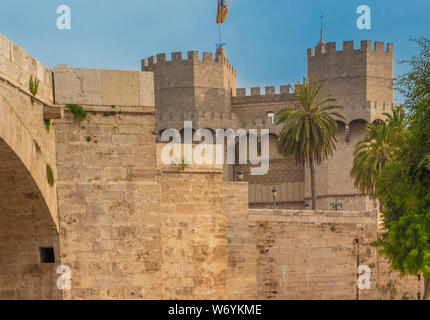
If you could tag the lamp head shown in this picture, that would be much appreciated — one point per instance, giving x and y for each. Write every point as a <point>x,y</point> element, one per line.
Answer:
<point>240,175</point>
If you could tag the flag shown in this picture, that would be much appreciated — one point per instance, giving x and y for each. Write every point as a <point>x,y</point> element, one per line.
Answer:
<point>222,11</point>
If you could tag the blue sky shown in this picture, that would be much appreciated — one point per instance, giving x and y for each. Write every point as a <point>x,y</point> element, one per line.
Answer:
<point>266,40</point>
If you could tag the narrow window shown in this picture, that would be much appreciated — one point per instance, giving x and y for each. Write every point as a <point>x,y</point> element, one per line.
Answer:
<point>271,116</point>
<point>47,255</point>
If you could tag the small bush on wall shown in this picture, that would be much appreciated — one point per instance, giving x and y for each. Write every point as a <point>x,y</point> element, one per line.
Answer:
<point>77,110</point>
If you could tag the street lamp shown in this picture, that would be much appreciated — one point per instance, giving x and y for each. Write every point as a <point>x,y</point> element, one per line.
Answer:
<point>306,204</point>
<point>274,197</point>
<point>240,175</point>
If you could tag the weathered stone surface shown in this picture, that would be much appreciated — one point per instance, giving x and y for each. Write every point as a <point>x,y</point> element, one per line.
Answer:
<point>130,227</point>
<point>193,236</point>
<point>103,87</point>
<point>315,255</point>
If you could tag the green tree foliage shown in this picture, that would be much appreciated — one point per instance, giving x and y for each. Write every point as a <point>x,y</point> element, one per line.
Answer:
<point>309,131</point>
<point>379,146</point>
<point>77,110</point>
<point>50,175</point>
<point>404,184</point>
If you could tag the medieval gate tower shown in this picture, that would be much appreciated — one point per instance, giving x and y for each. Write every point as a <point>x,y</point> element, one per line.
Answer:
<point>362,82</point>
<point>204,91</point>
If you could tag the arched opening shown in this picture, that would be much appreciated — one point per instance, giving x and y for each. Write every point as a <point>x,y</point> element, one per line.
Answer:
<point>29,242</point>
<point>357,130</point>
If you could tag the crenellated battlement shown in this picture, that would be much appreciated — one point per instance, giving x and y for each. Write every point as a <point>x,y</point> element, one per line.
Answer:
<point>348,47</point>
<point>268,91</point>
<point>194,57</point>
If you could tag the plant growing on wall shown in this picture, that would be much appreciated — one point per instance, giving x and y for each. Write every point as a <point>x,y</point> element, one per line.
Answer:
<point>34,86</point>
<point>49,175</point>
<point>183,164</point>
<point>309,131</point>
<point>47,124</point>
<point>77,110</point>
<point>264,224</point>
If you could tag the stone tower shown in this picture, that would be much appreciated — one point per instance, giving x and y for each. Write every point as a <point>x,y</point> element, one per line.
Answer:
<point>194,89</point>
<point>362,82</point>
<point>193,84</point>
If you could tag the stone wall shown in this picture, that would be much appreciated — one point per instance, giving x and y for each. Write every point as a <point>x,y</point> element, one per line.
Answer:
<point>108,193</point>
<point>28,204</point>
<point>22,122</point>
<point>315,255</point>
<point>333,180</point>
<point>193,235</point>
<point>241,272</point>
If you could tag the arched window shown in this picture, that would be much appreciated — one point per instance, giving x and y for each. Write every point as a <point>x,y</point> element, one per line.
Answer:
<point>271,116</point>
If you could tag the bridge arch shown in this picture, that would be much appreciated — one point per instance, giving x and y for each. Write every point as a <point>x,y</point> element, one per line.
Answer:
<point>29,238</point>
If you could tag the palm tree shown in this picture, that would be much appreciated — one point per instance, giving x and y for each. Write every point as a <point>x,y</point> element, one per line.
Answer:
<point>309,131</point>
<point>372,153</point>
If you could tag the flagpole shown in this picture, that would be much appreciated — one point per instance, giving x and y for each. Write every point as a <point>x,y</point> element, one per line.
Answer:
<point>220,37</point>
<point>222,14</point>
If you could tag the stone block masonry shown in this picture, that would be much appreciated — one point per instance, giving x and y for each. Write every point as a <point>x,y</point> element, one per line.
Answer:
<point>242,266</point>
<point>108,194</point>
<point>126,231</point>
<point>315,255</point>
<point>28,204</point>
<point>193,235</point>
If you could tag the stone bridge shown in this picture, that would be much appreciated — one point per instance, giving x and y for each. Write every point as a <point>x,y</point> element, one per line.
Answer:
<point>28,203</point>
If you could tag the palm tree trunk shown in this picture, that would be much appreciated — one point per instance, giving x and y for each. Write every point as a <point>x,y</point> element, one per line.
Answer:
<point>314,196</point>
<point>426,289</point>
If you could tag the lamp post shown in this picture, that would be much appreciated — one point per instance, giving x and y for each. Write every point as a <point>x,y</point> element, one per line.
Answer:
<point>274,197</point>
<point>240,175</point>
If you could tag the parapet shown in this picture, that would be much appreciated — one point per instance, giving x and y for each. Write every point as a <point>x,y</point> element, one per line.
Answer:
<point>192,57</point>
<point>348,47</point>
<point>103,87</point>
<point>270,95</point>
<point>16,67</point>
<point>269,91</point>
